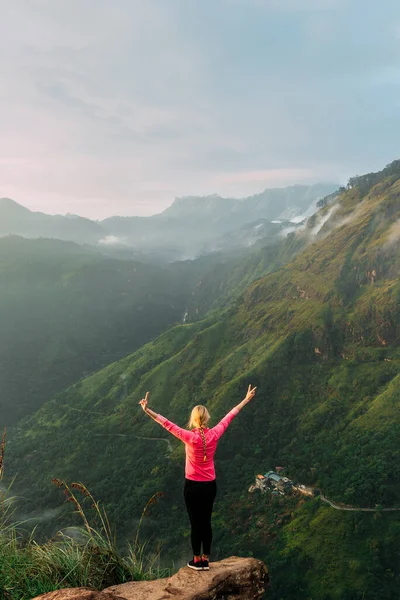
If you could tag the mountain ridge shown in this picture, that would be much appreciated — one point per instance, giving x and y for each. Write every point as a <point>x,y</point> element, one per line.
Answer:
<point>8,203</point>
<point>190,227</point>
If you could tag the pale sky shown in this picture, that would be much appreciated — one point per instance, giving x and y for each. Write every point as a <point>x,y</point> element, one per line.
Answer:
<point>117,106</point>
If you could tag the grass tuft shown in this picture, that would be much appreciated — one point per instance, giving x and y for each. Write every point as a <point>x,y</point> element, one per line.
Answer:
<point>89,559</point>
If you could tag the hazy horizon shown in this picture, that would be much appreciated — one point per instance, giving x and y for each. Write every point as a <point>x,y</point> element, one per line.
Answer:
<point>112,214</point>
<point>119,108</point>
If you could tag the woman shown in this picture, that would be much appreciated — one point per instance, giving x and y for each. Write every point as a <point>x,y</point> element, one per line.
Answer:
<point>200,485</point>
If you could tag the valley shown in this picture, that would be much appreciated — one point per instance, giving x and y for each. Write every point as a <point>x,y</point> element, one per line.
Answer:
<point>314,323</point>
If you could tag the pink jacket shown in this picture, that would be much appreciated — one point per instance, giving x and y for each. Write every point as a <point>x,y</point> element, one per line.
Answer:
<point>196,468</point>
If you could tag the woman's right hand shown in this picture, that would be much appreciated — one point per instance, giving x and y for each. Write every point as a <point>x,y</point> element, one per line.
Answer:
<point>250,393</point>
<point>144,401</point>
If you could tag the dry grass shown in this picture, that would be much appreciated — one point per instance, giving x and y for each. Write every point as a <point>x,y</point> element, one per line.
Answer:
<point>29,569</point>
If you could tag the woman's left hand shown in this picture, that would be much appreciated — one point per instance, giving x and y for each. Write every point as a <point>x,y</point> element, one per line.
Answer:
<point>143,403</point>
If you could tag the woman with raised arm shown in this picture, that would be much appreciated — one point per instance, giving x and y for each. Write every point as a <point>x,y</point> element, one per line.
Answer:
<point>200,485</point>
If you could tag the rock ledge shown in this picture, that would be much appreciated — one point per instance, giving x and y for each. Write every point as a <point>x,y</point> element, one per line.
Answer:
<point>230,579</point>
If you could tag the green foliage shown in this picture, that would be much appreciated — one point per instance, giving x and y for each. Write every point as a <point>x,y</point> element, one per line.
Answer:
<point>67,311</point>
<point>365,183</point>
<point>88,557</point>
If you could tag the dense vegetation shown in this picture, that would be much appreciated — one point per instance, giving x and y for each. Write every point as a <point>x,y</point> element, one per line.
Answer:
<point>320,339</point>
<point>67,310</point>
<point>85,555</point>
<point>364,183</point>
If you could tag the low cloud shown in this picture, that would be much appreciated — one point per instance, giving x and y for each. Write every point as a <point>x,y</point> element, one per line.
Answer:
<point>300,224</point>
<point>110,240</point>
<point>38,517</point>
<point>286,230</point>
<point>322,219</point>
<point>393,234</point>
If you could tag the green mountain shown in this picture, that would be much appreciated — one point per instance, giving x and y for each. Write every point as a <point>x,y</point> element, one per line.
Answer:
<point>320,339</point>
<point>67,310</point>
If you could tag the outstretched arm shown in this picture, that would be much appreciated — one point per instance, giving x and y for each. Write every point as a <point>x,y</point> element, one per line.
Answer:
<point>223,424</point>
<point>182,434</point>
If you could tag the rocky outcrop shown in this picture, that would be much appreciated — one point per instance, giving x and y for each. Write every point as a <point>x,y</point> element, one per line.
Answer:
<point>79,594</point>
<point>230,579</point>
<point>233,578</point>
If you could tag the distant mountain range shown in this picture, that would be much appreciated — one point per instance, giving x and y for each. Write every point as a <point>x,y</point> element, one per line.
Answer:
<point>190,227</point>
<point>18,220</point>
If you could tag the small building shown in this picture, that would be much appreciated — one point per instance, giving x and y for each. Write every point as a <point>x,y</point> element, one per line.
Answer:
<point>261,483</point>
<point>285,484</point>
<point>279,485</point>
<point>282,484</point>
<point>272,476</point>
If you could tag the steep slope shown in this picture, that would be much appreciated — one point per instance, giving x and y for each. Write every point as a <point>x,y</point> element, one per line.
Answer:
<point>320,339</point>
<point>67,310</point>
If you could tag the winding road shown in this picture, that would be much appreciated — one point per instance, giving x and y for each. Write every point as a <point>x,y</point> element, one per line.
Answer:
<point>339,507</point>
<point>156,439</point>
<point>138,437</point>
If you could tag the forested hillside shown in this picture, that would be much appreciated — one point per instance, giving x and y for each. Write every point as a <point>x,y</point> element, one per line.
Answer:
<point>67,310</point>
<point>320,340</point>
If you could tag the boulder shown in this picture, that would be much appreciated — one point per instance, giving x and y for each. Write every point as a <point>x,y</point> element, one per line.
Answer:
<point>230,579</point>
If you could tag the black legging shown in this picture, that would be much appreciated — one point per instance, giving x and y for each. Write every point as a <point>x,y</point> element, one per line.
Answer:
<point>199,498</point>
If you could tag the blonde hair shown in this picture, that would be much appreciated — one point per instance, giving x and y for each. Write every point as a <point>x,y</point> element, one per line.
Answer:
<point>199,418</point>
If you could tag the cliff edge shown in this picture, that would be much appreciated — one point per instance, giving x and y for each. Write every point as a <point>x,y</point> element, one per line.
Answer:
<point>234,578</point>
